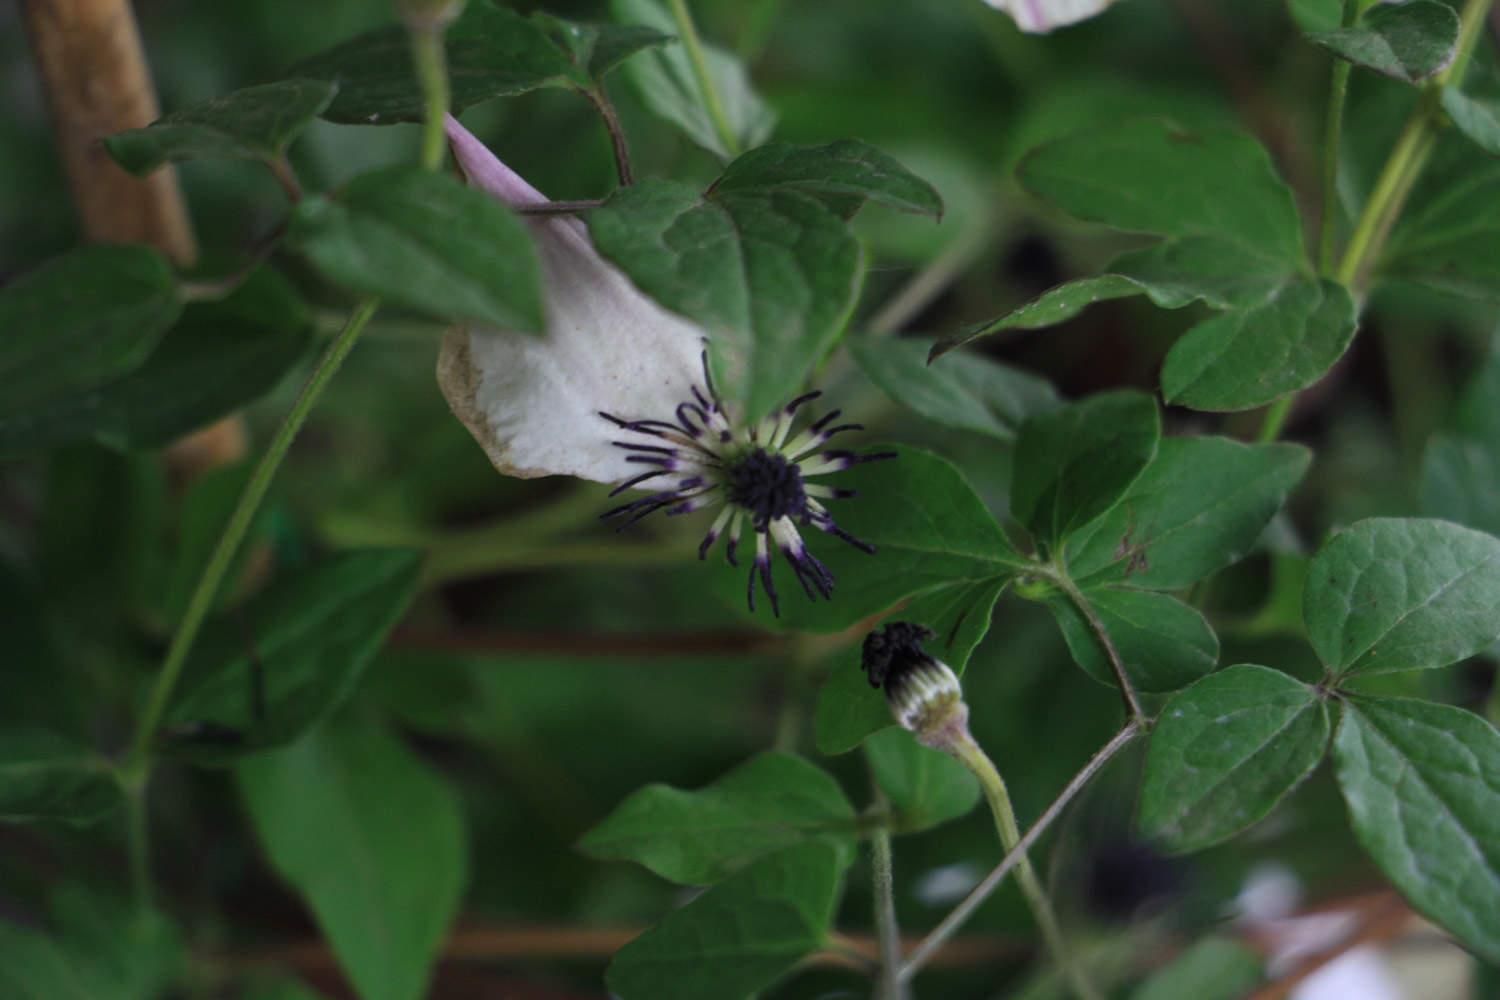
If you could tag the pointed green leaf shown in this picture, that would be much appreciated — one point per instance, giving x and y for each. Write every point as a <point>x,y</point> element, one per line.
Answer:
<point>372,840</point>
<point>1402,594</point>
<point>927,788</point>
<point>1199,507</point>
<point>849,709</point>
<point>492,52</point>
<point>667,84</point>
<point>424,240</point>
<point>698,838</point>
<point>309,636</point>
<point>738,937</point>
<point>1419,780</point>
<point>772,275</point>
<point>219,357</point>
<point>1225,752</point>
<point>257,123</point>
<point>89,316</point>
<point>1163,643</point>
<point>1054,306</point>
<point>1406,41</point>
<point>846,169</point>
<point>969,391</point>
<point>46,778</point>
<point>1223,185</point>
<point>1246,358</point>
<point>1073,464</point>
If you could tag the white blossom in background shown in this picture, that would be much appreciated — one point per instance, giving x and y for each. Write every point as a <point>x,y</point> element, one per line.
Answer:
<point>1040,16</point>
<point>618,390</point>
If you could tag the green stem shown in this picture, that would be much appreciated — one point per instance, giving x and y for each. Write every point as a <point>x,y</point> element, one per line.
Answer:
<point>1338,90</point>
<point>1058,577</point>
<point>1409,156</point>
<point>138,760</point>
<point>430,60</point>
<point>688,33</point>
<point>1275,419</point>
<point>976,760</point>
<point>887,930</point>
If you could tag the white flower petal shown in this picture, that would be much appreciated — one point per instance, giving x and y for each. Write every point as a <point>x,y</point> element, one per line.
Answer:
<point>1041,16</point>
<point>533,403</point>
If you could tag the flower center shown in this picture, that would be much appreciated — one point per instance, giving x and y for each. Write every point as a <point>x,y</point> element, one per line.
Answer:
<point>766,484</point>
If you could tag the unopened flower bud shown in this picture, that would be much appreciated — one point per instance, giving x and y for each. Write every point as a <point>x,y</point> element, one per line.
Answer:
<point>923,692</point>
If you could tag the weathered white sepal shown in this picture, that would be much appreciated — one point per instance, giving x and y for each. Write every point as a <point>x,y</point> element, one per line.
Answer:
<point>533,403</point>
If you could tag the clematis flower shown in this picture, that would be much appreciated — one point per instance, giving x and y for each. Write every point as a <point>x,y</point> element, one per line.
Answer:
<point>1040,16</point>
<point>617,390</point>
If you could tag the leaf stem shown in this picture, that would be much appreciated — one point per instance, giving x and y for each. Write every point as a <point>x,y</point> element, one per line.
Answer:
<point>430,60</point>
<point>558,207</point>
<point>977,761</point>
<point>1275,419</point>
<point>600,100</point>
<point>887,930</point>
<point>1409,156</point>
<point>1338,90</point>
<point>934,941</point>
<point>1059,578</point>
<point>711,100</point>
<point>137,761</point>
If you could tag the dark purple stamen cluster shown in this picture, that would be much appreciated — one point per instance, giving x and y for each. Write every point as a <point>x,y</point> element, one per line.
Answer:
<point>758,474</point>
<point>894,651</point>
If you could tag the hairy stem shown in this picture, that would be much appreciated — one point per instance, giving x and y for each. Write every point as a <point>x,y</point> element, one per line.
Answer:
<point>887,930</point>
<point>934,941</point>
<point>995,792</point>
<point>1059,578</point>
<point>1338,90</point>
<point>249,502</point>
<point>600,100</point>
<point>688,35</point>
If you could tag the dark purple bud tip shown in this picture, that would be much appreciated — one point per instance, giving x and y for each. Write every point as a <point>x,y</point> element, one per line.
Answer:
<point>894,650</point>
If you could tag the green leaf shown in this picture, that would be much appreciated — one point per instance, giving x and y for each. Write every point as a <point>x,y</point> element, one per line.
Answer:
<point>1222,185</point>
<point>492,52</point>
<point>930,531</point>
<point>1407,41</point>
<point>596,49</point>
<point>738,937</point>
<point>118,949</point>
<point>844,169</point>
<point>969,392</point>
<point>926,787</point>
<point>1199,507</point>
<point>1402,594</point>
<point>1479,120</point>
<point>773,275</point>
<point>769,802</point>
<point>1249,357</point>
<point>1054,306</point>
<point>849,709</point>
<point>424,240</point>
<point>1225,752</point>
<point>1419,782</point>
<point>1074,464</point>
<point>668,86</point>
<point>45,778</point>
<point>1213,969</point>
<point>1163,643</point>
<point>372,840</point>
<point>220,357</point>
<point>34,967</point>
<point>257,123</point>
<point>309,635</point>
<point>81,319</point>
<point>1451,241</point>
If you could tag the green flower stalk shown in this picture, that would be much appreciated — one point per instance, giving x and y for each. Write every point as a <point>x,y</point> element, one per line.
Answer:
<point>926,698</point>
